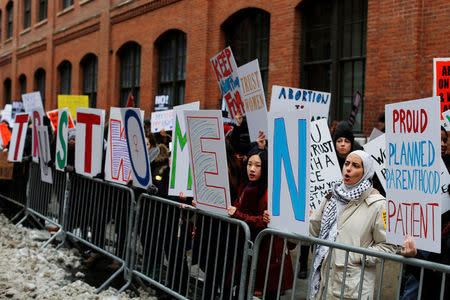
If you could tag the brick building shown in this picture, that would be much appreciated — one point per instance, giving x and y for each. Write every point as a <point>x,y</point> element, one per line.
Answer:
<point>109,48</point>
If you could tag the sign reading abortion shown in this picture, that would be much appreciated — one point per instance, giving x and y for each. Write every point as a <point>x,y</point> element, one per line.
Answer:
<point>44,157</point>
<point>89,141</point>
<point>227,76</point>
<point>441,81</point>
<point>180,178</point>
<point>413,180</point>
<point>254,99</point>
<point>324,171</point>
<point>287,99</point>
<point>377,149</point>
<point>289,178</point>
<point>208,160</point>
<point>61,138</point>
<point>18,137</point>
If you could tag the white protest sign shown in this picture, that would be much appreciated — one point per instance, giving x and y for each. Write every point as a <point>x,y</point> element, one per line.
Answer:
<point>161,120</point>
<point>180,177</point>
<point>445,181</point>
<point>324,167</point>
<point>18,137</point>
<point>446,120</point>
<point>161,102</point>
<point>374,134</point>
<point>377,149</point>
<point>17,107</point>
<point>6,113</point>
<point>89,141</point>
<point>254,99</point>
<point>289,178</point>
<point>32,101</point>
<point>44,157</point>
<point>137,148</point>
<point>208,160</point>
<point>413,180</point>
<point>61,139</point>
<point>288,99</point>
<point>36,120</point>
<point>227,76</point>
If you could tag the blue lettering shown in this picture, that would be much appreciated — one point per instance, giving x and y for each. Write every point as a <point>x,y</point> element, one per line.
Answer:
<point>282,94</point>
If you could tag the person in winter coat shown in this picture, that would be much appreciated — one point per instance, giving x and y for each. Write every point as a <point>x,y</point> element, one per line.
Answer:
<point>351,214</point>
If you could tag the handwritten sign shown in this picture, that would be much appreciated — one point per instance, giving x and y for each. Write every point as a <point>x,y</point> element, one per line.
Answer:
<point>441,81</point>
<point>53,116</point>
<point>44,157</point>
<point>18,137</point>
<point>413,179</point>
<point>377,149</point>
<point>6,113</point>
<point>72,102</point>
<point>161,120</point>
<point>445,181</point>
<point>32,101</point>
<point>227,76</point>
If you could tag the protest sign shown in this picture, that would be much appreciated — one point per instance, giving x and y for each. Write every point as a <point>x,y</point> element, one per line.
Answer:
<point>288,99</point>
<point>161,120</point>
<point>446,120</point>
<point>161,103</point>
<point>89,141</point>
<point>413,180</point>
<point>18,137</point>
<point>377,150</point>
<point>289,178</point>
<point>6,168</point>
<point>72,102</point>
<point>441,81</point>
<point>5,134</point>
<point>36,120</point>
<point>180,177</point>
<point>324,168</point>
<point>44,157</point>
<point>227,76</point>
<point>254,99</point>
<point>374,134</point>
<point>53,116</point>
<point>61,138</point>
<point>137,149</point>
<point>17,107</point>
<point>445,181</point>
<point>208,160</point>
<point>6,113</point>
<point>32,101</point>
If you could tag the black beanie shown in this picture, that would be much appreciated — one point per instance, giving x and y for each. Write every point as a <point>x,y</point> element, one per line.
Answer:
<point>343,130</point>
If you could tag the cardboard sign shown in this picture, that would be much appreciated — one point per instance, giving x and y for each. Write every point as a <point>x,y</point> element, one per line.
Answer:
<point>227,76</point>
<point>18,137</point>
<point>44,158</point>
<point>289,178</point>
<point>324,169</point>
<point>208,160</point>
<point>161,120</point>
<point>180,178</point>
<point>161,102</point>
<point>254,99</point>
<point>137,148</point>
<point>36,120</point>
<point>62,138</point>
<point>441,81</point>
<point>89,141</point>
<point>413,175</point>
<point>6,168</point>
<point>288,99</point>
<point>5,134</point>
<point>6,113</point>
<point>377,149</point>
<point>72,102</point>
<point>32,101</point>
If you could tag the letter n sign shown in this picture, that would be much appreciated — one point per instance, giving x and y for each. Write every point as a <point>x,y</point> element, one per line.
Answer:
<point>289,156</point>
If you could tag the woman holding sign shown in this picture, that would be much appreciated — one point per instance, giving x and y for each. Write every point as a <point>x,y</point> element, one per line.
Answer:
<point>351,214</point>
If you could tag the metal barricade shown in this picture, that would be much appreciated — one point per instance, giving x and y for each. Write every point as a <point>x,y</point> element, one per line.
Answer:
<point>15,191</point>
<point>189,253</point>
<point>100,215</point>
<point>268,236</point>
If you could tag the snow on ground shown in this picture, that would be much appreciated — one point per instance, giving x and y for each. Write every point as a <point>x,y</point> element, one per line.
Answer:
<point>27,271</point>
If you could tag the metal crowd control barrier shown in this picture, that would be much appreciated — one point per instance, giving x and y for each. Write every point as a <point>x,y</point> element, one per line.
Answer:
<point>15,191</point>
<point>333,246</point>
<point>188,253</point>
<point>100,215</point>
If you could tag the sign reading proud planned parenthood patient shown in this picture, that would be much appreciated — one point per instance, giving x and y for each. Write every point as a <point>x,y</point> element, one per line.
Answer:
<point>288,99</point>
<point>413,180</point>
<point>441,81</point>
<point>227,75</point>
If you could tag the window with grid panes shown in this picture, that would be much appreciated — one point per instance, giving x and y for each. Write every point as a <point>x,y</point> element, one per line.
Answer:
<point>333,53</point>
<point>7,90</point>
<point>26,13</point>
<point>9,17</point>
<point>43,9</point>
<point>65,78</point>
<point>248,34</point>
<point>172,66</point>
<point>66,3</point>
<point>130,73</point>
<point>39,80</point>
<point>23,84</point>
<point>89,67</point>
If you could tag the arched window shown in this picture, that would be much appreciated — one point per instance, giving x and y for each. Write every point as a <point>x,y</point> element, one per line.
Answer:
<point>43,4</point>
<point>26,13</point>
<point>172,66</point>
<point>9,17</point>
<point>65,78</point>
<point>39,83</point>
<point>7,90</point>
<point>248,34</point>
<point>66,3</point>
<point>89,67</point>
<point>23,84</point>
<point>333,52</point>
<point>130,72</point>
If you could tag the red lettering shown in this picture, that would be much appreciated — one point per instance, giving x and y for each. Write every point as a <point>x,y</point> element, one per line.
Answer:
<point>395,117</point>
<point>423,224</point>
<point>413,220</point>
<point>406,213</point>
<point>89,120</point>
<point>423,120</point>
<point>389,213</point>
<point>224,65</point>
<point>215,64</point>
<point>399,213</point>
<point>433,205</point>
<point>21,119</point>
<point>402,120</point>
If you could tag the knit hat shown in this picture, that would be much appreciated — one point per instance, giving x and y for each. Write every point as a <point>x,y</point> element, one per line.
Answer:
<point>343,130</point>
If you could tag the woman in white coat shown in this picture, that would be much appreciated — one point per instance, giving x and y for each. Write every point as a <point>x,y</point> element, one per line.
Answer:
<point>352,214</point>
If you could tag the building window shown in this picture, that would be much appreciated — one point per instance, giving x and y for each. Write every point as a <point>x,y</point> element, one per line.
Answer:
<point>9,16</point>
<point>89,67</point>
<point>7,90</point>
<point>66,3</point>
<point>130,72</point>
<point>26,14</point>
<point>248,34</point>
<point>22,84</point>
<point>172,66</point>
<point>65,78</point>
<point>333,53</point>
<point>39,81</point>
<point>42,10</point>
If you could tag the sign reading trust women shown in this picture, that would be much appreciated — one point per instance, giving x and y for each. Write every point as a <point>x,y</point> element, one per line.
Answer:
<point>413,180</point>
<point>289,180</point>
